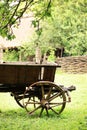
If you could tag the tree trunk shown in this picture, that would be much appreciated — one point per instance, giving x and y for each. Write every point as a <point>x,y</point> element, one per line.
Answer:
<point>38,55</point>
<point>1,55</point>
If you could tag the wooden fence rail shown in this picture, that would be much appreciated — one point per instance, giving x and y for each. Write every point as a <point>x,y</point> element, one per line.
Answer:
<point>75,64</point>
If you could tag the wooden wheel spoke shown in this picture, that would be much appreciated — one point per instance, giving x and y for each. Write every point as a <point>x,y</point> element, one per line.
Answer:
<point>49,93</point>
<point>35,109</point>
<point>54,111</point>
<point>26,103</point>
<point>47,111</point>
<point>42,90</point>
<point>33,100</point>
<point>33,103</point>
<point>41,111</point>
<point>55,104</point>
<point>54,96</point>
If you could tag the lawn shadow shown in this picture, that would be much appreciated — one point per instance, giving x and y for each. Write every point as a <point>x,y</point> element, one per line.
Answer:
<point>21,113</point>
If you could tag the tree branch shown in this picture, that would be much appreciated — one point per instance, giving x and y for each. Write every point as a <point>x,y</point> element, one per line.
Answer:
<point>12,15</point>
<point>46,10</point>
<point>25,8</point>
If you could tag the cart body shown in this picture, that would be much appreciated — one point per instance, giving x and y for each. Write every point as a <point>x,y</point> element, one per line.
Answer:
<point>33,84</point>
<point>18,75</point>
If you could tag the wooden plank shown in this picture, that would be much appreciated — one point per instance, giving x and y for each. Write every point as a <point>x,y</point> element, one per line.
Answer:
<point>19,74</point>
<point>49,73</point>
<point>25,72</point>
<point>28,75</point>
<point>8,74</point>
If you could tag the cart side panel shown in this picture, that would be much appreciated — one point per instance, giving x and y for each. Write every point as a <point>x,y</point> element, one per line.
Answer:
<point>49,73</point>
<point>28,74</point>
<point>8,74</point>
<point>19,74</point>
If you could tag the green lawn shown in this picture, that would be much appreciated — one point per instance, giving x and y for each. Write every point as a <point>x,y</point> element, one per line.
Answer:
<point>74,117</point>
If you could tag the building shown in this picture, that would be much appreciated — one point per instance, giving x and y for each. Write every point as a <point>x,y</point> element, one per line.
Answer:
<point>23,33</point>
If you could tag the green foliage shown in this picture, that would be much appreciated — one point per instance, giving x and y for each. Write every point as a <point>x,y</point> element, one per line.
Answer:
<point>11,12</point>
<point>58,23</point>
<point>67,27</point>
<point>11,55</point>
<point>51,57</point>
<point>27,49</point>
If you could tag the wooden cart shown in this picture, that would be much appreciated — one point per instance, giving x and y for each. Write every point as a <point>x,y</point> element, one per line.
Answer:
<point>33,87</point>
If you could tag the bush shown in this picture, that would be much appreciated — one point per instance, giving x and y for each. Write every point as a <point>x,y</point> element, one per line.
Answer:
<point>11,55</point>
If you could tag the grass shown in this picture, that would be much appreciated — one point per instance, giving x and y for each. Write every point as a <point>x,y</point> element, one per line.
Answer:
<point>74,117</point>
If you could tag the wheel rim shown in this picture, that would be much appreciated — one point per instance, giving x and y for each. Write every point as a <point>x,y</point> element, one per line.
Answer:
<point>19,99</point>
<point>44,95</point>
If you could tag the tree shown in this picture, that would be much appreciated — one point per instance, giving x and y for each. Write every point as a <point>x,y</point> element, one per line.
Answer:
<point>11,12</point>
<point>67,27</point>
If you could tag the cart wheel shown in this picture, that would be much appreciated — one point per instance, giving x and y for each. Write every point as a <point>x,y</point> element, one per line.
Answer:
<point>47,96</point>
<point>19,99</point>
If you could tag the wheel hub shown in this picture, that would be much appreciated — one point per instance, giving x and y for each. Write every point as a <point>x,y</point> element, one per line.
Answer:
<point>44,103</point>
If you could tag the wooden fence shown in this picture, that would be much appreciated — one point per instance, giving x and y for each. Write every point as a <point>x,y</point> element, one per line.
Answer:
<point>76,64</point>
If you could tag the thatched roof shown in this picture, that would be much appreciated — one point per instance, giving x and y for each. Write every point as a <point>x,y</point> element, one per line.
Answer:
<point>22,33</point>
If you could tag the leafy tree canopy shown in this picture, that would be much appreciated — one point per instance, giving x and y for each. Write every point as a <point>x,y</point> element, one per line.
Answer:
<point>11,12</point>
<point>67,27</point>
